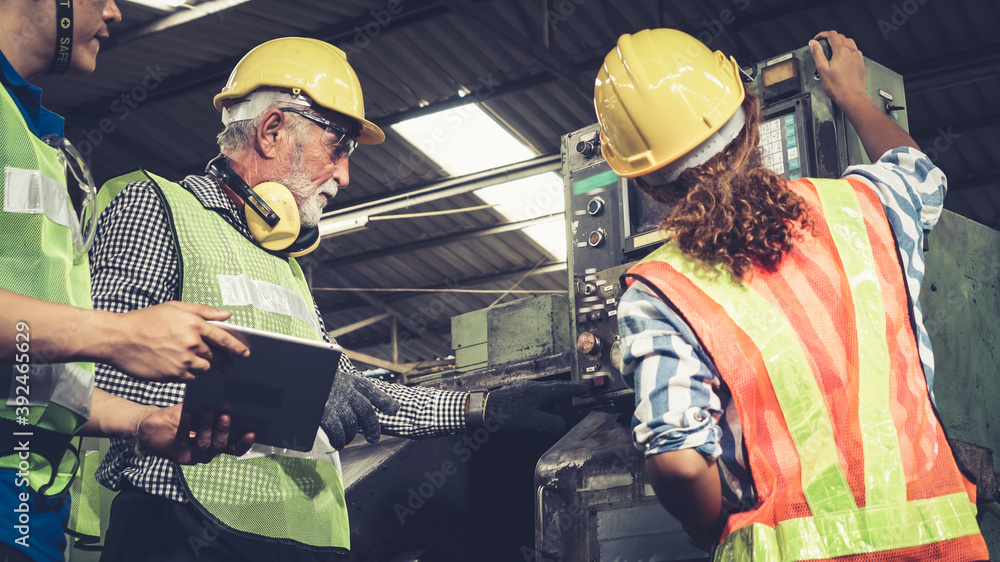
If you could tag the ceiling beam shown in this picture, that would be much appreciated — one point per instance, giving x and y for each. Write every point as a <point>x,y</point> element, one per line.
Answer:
<point>382,342</point>
<point>176,19</point>
<point>442,189</point>
<point>926,137</point>
<point>988,181</point>
<point>962,67</point>
<point>217,72</point>
<point>551,267</point>
<point>450,102</point>
<point>440,345</point>
<point>493,23</point>
<point>438,241</point>
<point>358,357</point>
<point>358,325</point>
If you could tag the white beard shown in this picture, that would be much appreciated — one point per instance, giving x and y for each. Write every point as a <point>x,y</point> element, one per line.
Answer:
<point>311,209</point>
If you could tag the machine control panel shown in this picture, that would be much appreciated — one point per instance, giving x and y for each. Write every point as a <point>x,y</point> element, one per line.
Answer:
<point>599,348</point>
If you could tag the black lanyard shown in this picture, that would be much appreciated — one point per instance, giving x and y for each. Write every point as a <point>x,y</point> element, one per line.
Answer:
<point>64,38</point>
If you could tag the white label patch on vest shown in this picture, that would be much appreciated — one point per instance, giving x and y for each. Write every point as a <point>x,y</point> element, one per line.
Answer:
<point>32,192</point>
<point>240,290</point>
<point>65,384</point>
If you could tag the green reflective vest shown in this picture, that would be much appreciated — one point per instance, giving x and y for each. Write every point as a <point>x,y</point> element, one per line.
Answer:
<point>46,402</point>
<point>284,496</point>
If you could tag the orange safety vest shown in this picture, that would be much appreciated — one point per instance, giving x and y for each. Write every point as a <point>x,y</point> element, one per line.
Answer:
<point>847,454</point>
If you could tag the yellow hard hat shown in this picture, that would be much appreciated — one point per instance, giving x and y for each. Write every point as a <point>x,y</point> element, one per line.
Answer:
<point>660,94</point>
<point>312,67</point>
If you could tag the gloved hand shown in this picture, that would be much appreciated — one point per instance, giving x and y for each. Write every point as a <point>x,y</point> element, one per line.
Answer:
<point>351,405</point>
<point>517,406</point>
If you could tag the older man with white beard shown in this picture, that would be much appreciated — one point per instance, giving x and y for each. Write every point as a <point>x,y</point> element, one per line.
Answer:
<point>293,114</point>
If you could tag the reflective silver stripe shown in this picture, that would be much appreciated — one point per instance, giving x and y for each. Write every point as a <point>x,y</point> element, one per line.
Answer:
<point>240,290</point>
<point>65,384</point>
<point>32,192</point>
<point>322,451</point>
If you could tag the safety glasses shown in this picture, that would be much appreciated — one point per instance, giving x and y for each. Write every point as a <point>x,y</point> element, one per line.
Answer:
<point>345,143</point>
<point>86,205</point>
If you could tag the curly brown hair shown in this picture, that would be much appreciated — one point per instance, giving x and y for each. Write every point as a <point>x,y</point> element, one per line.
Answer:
<point>731,210</point>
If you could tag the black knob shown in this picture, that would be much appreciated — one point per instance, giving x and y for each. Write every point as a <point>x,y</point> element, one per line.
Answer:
<point>586,148</point>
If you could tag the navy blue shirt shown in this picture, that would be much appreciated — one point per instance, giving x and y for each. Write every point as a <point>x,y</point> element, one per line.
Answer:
<point>28,98</point>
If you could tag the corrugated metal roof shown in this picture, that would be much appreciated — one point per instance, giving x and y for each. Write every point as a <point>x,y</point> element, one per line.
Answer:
<point>530,69</point>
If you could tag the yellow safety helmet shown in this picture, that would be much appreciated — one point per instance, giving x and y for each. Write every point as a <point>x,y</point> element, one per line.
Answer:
<point>660,94</point>
<point>302,65</point>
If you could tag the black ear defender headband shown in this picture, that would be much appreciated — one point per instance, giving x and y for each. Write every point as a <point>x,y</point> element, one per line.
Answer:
<point>64,38</point>
<point>270,210</point>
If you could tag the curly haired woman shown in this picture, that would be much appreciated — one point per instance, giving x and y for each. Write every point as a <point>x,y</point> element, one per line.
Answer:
<point>781,366</point>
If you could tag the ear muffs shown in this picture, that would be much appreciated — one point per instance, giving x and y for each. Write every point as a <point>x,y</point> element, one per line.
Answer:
<point>271,212</point>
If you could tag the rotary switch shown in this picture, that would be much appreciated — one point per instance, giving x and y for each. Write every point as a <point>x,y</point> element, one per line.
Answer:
<point>588,344</point>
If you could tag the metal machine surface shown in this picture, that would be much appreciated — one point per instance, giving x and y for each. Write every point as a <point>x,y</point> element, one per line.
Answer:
<point>611,224</point>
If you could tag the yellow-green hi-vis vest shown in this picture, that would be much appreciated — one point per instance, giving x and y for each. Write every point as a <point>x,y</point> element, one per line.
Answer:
<point>271,493</point>
<point>45,402</point>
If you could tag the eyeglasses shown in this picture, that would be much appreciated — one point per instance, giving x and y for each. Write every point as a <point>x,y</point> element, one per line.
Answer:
<point>86,224</point>
<point>345,143</point>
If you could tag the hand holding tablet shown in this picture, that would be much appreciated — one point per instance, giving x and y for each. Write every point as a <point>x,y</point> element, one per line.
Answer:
<point>278,392</point>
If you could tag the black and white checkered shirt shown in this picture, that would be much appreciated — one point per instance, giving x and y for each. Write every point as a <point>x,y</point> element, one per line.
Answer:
<point>134,265</point>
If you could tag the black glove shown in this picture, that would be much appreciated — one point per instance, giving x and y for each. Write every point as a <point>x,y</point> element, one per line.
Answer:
<point>352,403</point>
<point>517,406</point>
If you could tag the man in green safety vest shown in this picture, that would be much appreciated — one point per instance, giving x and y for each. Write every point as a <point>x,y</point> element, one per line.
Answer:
<point>49,332</point>
<point>293,115</point>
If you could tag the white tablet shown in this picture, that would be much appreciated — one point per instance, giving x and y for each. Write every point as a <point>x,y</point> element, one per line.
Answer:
<point>278,392</point>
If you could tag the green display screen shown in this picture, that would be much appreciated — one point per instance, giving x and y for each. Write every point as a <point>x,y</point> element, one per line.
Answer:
<point>607,177</point>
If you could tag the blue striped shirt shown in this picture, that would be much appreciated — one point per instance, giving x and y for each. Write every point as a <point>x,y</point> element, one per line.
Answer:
<point>681,402</point>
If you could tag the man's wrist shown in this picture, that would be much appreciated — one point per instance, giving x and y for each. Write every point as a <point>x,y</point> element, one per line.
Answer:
<point>95,336</point>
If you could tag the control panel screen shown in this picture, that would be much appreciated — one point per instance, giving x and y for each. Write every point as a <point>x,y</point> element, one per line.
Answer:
<point>645,215</point>
<point>593,180</point>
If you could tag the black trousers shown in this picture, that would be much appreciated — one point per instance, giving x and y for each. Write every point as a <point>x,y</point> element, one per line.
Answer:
<point>147,528</point>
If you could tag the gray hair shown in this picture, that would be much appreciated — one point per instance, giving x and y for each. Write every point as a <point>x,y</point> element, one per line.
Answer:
<point>240,134</point>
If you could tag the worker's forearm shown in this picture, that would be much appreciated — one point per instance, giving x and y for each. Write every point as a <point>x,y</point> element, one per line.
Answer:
<point>688,486</point>
<point>878,132</point>
<point>111,416</point>
<point>53,332</point>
